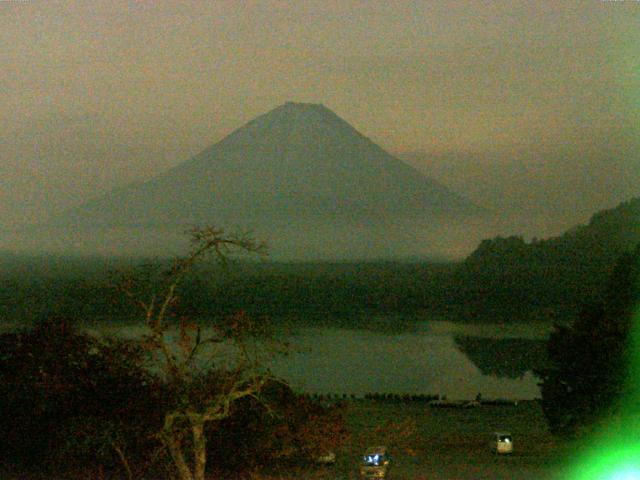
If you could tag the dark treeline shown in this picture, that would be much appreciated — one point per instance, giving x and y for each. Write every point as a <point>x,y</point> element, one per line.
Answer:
<point>360,294</point>
<point>592,374</point>
<point>552,278</point>
<point>504,279</point>
<point>31,287</point>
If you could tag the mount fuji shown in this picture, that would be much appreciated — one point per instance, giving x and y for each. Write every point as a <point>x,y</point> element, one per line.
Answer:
<point>300,177</point>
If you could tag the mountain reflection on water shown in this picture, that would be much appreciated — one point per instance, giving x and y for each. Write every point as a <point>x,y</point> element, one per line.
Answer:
<point>503,357</point>
<point>444,358</point>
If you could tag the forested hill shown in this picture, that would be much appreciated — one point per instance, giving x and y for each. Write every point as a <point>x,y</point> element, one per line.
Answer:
<point>609,234</point>
<point>553,275</point>
<point>504,280</point>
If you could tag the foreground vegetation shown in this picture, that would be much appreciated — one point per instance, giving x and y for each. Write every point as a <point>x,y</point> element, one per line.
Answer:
<point>592,375</point>
<point>74,406</point>
<point>424,443</point>
<point>77,406</point>
<point>165,402</point>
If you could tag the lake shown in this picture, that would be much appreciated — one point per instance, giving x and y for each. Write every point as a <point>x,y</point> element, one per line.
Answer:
<point>429,359</point>
<point>432,357</point>
<point>426,360</point>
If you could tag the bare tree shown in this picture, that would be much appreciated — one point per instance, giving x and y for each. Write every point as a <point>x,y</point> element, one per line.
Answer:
<point>182,347</point>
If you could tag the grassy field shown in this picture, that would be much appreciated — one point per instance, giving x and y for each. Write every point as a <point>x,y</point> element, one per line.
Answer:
<point>448,443</point>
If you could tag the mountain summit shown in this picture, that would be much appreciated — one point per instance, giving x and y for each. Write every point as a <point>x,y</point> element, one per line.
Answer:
<point>297,170</point>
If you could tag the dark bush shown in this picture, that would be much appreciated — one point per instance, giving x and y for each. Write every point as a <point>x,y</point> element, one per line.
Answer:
<point>67,398</point>
<point>293,428</point>
<point>70,402</point>
<point>590,359</point>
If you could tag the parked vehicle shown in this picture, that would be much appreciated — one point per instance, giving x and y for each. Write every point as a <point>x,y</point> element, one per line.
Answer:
<point>375,463</point>
<point>328,458</point>
<point>502,443</point>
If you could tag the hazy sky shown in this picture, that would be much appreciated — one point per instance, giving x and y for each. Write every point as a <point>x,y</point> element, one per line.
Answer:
<point>521,105</point>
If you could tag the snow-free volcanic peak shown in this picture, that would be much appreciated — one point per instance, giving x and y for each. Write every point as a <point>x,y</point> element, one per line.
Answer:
<point>296,170</point>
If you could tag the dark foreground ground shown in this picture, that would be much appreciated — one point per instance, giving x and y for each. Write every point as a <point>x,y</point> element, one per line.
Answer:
<point>449,443</point>
<point>435,443</point>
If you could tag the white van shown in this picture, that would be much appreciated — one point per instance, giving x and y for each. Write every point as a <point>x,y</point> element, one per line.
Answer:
<point>502,442</point>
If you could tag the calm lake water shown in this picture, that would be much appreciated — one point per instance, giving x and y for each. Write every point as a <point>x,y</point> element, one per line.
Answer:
<point>428,360</point>
<point>435,357</point>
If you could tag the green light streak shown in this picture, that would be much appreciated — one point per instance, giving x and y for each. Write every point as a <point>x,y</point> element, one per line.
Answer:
<point>613,452</point>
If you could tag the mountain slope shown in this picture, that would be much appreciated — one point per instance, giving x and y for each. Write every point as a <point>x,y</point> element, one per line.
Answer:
<point>298,176</point>
<point>297,163</point>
